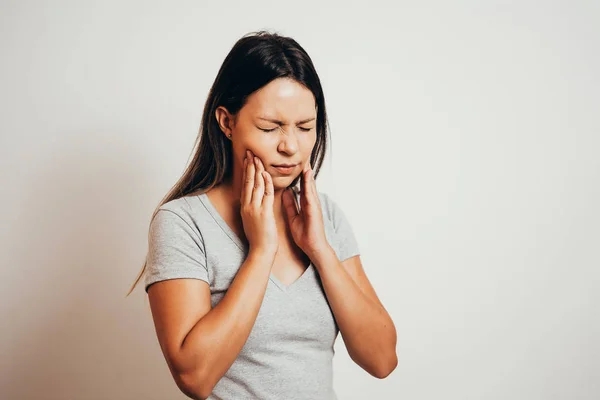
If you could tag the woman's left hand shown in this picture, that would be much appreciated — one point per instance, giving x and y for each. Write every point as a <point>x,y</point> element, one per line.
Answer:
<point>306,226</point>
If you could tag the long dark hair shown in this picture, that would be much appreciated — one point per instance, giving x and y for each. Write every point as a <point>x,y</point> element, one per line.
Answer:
<point>255,60</point>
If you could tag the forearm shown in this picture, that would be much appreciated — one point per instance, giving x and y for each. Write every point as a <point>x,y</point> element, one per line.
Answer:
<point>366,327</point>
<point>215,341</point>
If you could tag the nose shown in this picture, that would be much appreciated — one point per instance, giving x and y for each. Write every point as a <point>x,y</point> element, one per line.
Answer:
<point>288,143</point>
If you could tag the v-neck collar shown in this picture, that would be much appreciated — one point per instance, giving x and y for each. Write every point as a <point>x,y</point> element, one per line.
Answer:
<point>203,197</point>
<point>221,222</point>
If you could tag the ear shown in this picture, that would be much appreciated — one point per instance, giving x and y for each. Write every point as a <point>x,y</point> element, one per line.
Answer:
<point>225,120</point>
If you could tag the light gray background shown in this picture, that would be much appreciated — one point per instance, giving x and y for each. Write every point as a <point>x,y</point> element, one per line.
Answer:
<point>465,153</point>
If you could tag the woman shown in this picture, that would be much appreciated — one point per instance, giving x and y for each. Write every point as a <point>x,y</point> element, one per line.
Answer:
<point>250,280</point>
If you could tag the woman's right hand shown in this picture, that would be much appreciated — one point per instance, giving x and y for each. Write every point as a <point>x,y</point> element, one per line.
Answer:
<point>256,208</point>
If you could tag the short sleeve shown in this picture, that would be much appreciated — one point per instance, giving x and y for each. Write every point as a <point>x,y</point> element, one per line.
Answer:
<point>347,245</point>
<point>175,250</point>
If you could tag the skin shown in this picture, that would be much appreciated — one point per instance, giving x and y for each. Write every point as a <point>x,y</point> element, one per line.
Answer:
<point>289,141</point>
<point>199,342</point>
<point>368,330</point>
<point>277,125</point>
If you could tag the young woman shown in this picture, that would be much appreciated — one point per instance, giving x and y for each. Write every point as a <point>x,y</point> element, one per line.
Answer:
<point>249,278</point>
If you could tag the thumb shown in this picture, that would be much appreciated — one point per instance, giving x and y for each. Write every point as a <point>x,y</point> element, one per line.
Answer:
<point>289,204</point>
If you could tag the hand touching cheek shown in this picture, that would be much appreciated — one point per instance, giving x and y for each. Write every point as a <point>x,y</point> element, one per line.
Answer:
<point>306,225</point>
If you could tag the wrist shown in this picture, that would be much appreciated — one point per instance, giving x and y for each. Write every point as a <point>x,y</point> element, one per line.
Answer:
<point>263,254</point>
<point>322,253</point>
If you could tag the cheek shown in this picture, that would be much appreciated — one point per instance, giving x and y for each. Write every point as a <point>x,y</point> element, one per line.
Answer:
<point>250,140</point>
<point>258,148</point>
<point>309,143</point>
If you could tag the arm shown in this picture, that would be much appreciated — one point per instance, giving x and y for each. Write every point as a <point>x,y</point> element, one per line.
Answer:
<point>366,327</point>
<point>200,343</point>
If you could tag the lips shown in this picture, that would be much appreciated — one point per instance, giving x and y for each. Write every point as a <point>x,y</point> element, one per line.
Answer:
<point>285,170</point>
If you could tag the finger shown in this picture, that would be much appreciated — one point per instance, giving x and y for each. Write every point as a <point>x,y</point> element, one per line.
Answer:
<point>302,178</point>
<point>313,187</point>
<point>249,181</point>
<point>306,165</point>
<point>289,204</point>
<point>306,195</point>
<point>269,197</point>
<point>310,176</point>
<point>244,168</point>
<point>259,183</point>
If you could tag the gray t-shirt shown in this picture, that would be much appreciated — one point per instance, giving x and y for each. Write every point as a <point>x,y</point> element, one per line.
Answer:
<point>289,352</point>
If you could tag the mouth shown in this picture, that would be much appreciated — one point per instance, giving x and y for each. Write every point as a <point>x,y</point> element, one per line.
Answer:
<point>285,169</point>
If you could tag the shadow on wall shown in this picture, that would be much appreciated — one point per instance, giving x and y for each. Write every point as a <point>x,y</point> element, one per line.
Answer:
<point>81,241</point>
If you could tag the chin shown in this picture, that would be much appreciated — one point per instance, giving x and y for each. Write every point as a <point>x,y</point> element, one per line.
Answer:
<point>282,182</point>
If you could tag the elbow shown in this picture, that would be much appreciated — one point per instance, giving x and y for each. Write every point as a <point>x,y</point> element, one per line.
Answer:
<point>389,360</point>
<point>194,385</point>
<point>381,368</point>
<point>386,369</point>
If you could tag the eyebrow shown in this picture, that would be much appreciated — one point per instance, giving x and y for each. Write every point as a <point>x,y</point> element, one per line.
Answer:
<point>281,122</point>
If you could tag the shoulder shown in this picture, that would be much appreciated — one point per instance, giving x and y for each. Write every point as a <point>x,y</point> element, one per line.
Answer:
<point>338,228</point>
<point>326,202</point>
<point>177,215</point>
<point>330,207</point>
<point>177,206</point>
<point>183,207</point>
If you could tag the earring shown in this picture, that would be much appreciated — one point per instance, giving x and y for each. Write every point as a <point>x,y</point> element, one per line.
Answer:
<point>229,136</point>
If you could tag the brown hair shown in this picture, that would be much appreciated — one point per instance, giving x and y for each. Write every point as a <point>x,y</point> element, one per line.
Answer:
<point>255,60</point>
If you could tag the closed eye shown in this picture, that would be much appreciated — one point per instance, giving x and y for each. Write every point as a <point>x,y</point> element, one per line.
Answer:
<point>274,129</point>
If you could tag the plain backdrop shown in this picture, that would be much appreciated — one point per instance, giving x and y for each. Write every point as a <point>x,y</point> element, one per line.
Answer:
<point>465,152</point>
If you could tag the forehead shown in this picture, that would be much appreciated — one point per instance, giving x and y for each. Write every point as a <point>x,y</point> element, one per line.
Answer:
<point>282,98</point>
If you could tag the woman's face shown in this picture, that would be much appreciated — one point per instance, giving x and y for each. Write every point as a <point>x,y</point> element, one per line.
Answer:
<point>278,125</point>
